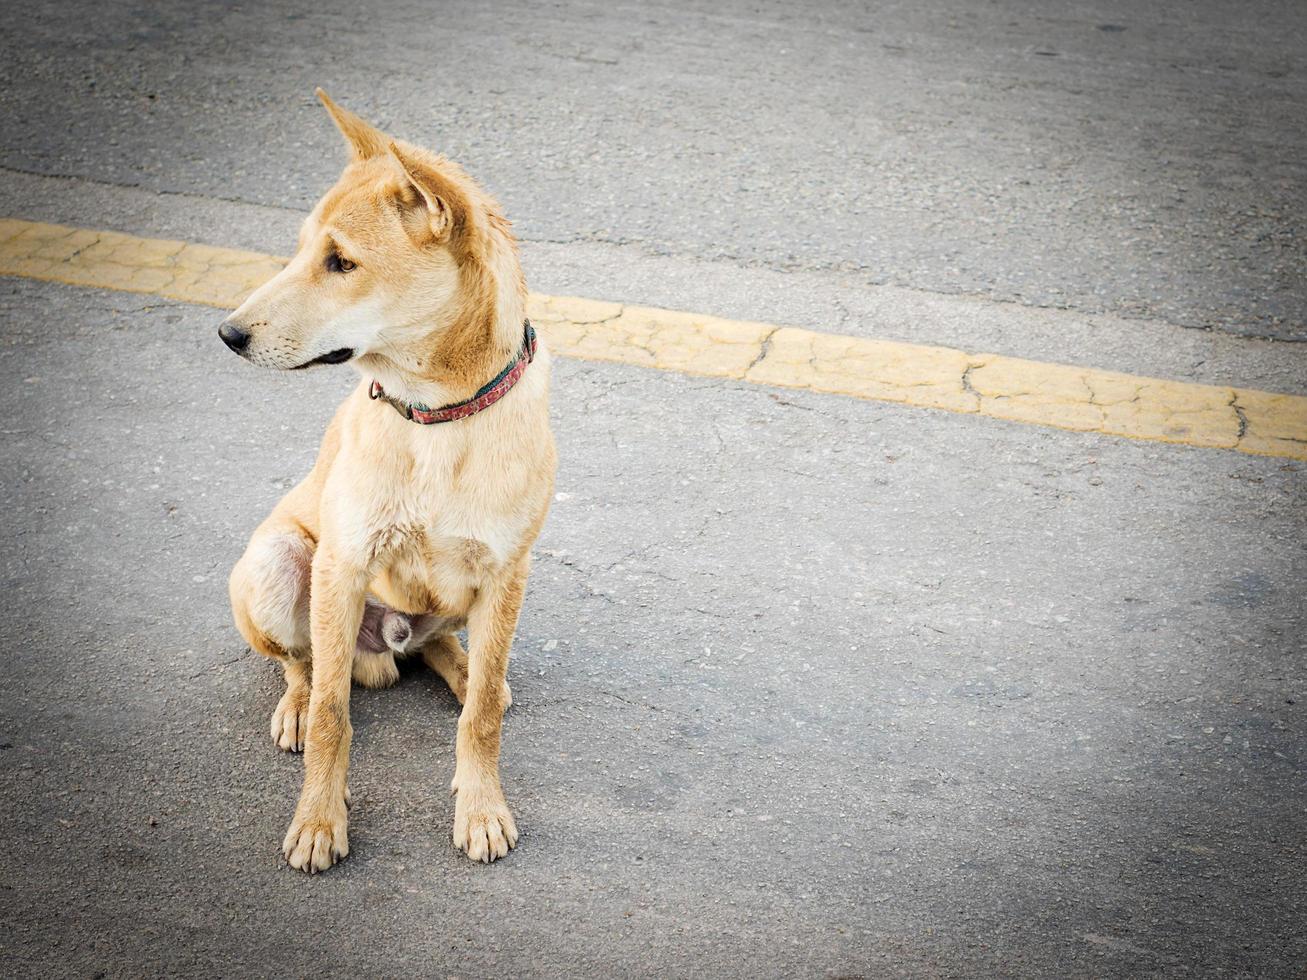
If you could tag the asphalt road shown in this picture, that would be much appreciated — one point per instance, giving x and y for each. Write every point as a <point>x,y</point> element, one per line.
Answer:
<point>1146,160</point>
<point>804,686</point>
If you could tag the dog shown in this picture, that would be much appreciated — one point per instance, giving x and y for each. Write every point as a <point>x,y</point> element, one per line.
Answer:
<point>415,521</point>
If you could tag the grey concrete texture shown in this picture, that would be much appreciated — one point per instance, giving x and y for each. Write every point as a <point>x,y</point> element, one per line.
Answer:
<point>1145,161</point>
<point>804,686</point>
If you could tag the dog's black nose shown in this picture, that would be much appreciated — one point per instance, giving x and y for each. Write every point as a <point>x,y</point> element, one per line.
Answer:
<point>233,336</point>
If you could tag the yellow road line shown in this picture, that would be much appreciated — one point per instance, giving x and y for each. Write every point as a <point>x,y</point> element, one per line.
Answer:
<point>1058,395</point>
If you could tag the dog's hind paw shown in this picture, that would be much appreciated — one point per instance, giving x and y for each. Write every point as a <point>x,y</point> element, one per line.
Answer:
<point>375,669</point>
<point>290,721</point>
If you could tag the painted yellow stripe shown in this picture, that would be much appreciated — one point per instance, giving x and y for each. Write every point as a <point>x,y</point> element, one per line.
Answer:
<point>1066,397</point>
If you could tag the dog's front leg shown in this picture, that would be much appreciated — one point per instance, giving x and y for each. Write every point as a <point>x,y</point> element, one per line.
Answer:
<point>483,825</point>
<point>318,833</point>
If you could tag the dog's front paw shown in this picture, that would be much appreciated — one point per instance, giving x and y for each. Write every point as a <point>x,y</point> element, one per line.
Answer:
<point>317,840</point>
<point>290,721</point>
<point>483,825</point>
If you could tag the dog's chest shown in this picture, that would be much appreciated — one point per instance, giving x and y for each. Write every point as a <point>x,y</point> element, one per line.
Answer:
<point>446,513</point>
<point>447,540</point>
<point>430,573</point>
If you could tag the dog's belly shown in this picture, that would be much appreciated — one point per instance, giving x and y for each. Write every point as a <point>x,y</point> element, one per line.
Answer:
<point>438,576</point>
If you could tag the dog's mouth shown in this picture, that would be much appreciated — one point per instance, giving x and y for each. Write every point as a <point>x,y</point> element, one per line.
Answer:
<point>339,356</point>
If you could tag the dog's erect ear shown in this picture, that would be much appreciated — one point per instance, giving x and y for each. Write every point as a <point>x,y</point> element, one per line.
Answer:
<point>447,210</point>
<point>364,139</point>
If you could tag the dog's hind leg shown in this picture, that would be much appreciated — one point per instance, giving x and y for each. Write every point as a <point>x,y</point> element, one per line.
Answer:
<point>290,720</point>
<point>270,602</point>
<point>446,656</point>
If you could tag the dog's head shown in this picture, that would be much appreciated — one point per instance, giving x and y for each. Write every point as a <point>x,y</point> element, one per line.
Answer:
<point>378,263</point>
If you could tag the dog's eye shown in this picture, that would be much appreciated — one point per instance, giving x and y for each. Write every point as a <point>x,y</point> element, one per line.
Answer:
<point>337,263</point>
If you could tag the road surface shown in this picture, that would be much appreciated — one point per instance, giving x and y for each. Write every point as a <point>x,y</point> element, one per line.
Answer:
<point>804,685</point>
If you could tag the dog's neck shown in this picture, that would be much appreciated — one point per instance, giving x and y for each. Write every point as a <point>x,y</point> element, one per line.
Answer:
<point>468,343</point>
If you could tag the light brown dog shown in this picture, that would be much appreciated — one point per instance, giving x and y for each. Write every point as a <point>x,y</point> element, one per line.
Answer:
<point>403,532</point>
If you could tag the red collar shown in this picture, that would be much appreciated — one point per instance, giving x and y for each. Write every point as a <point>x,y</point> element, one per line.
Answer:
<point>487,396</point>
